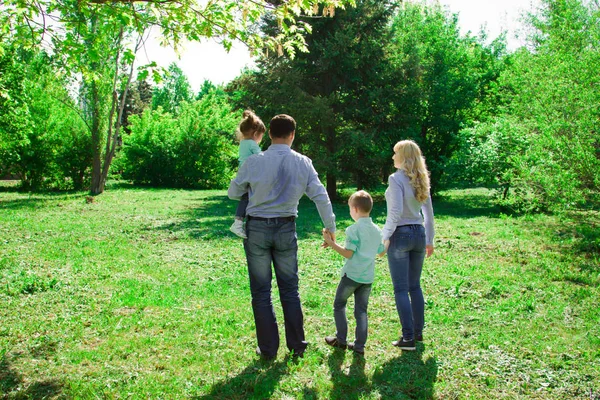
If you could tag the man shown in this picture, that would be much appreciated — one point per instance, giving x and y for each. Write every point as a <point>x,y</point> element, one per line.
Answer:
<point>275,181</point>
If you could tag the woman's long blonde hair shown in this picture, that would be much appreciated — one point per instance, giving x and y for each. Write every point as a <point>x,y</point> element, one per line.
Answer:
<point>410,160</point>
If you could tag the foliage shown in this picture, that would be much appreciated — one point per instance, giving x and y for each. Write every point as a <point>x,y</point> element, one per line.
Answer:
<point>15,124</point>
<point>96,42</point>
<point>542,144</point>
<point>59,155</point>
<point>54,149</point>
<point>174,90</point>
<point>376,74</point>
<point>557,103</point>
<point>193,149</point>
<point>138,99</point>
<point>441,78</point>
<point>331,91</point>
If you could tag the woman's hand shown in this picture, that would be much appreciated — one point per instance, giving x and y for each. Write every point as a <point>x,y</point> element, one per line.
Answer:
<point>429,250</point>
<point>386,245</point>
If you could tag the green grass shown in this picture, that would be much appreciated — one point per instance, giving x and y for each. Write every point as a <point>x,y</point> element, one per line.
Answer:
<point>144,294</point>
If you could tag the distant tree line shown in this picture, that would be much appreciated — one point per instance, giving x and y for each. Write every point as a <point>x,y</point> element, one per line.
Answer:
<point>524,123</point>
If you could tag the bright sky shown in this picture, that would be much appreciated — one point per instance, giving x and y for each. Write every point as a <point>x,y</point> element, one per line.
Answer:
<point>208,60</point>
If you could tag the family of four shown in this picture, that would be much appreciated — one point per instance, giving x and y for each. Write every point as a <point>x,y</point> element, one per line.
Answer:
<point>269,186</point>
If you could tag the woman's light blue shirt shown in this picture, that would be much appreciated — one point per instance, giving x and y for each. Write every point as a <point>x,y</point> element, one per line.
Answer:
<point>404,209</point>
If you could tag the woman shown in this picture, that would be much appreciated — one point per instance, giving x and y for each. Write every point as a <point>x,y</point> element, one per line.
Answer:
<point>408,236</point>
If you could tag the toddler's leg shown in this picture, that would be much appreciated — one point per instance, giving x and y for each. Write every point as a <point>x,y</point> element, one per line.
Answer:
<point>240,213</point>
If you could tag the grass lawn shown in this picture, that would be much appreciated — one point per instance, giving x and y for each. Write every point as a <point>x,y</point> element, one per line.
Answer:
<point>143,293</point>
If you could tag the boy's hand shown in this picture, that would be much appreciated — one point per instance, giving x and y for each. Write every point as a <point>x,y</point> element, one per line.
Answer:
<point>386,246</point>
<point>328,238</point>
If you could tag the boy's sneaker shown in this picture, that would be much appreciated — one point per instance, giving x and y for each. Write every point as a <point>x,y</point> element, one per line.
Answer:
<point>238,228</point>
<point>418,338</point>
<point>333,341</point>
<point>405,344</point>
<point>359,352</point>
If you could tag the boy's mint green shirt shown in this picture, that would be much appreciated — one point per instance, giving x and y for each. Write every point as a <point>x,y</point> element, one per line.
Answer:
<point>364,238</point>
<point>247,148</point>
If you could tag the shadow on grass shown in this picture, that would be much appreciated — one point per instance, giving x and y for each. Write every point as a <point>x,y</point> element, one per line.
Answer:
<point>212,219</point>
<point>12,385</point>
<point>404,377</point>
<point>407,376</point>
<point>352,385</point>
<point>466,205</point>
<point>37,201</point>
<point>258,380</point>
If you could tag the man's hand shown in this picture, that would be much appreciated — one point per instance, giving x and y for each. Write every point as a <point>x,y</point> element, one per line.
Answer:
<point>428,250</point>
<point>328,238</point>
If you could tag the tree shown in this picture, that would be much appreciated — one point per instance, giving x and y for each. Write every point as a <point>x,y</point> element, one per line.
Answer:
<point>15,123</point>
<point>439,77</point>
<point>193,149</point>
<point>175,89</point>
<point>541,142</point>
<point>139,98</point>
<point>95,39</point>
<point>331,91</point>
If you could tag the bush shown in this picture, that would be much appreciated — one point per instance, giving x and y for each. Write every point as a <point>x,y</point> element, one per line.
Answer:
<point>46,142</point>
<point>196,149</point>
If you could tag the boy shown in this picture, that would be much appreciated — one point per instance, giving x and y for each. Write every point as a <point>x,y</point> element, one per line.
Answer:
<point>363,243</point>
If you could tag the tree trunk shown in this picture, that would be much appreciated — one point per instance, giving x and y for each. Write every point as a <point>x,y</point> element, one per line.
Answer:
<point>97,186</point>
<point>331,175</point>
<point>505,192</point>
<point>331,186</point>
<point>117,105</point>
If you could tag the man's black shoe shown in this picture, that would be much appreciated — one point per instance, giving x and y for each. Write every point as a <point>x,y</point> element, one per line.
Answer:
<point>264,356</point>
<point>297,354</point>
<point>418,338</point>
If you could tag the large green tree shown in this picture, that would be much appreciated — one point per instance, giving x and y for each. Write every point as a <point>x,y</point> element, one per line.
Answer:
<point>541,142</point>
<point>175,89</point>
<point>377,74</point>
<point>440,78</point>
<point>15,122</point>
<point>333,91</point>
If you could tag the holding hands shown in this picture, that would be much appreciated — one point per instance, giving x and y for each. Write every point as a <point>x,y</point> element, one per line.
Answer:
<point>328,238</point>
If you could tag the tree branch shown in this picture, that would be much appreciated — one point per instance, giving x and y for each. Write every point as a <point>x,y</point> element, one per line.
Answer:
<point>132,1</point>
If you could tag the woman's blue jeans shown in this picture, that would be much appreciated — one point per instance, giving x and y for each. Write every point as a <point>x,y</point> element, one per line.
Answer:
<point>406,254</point>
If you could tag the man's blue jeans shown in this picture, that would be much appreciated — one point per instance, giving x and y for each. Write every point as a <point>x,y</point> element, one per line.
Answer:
<point>274,242</point>
<point>361,301</point>
<point>406,254</point>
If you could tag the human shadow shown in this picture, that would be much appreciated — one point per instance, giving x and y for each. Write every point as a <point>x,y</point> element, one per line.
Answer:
<point>351,385</point>
<point>407,376</point>
<point>257,381</point>
<point>12,384</point>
